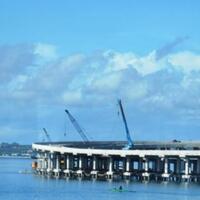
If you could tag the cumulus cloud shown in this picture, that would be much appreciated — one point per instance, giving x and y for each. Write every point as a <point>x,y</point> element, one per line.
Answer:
<point>186,61</point>
<point>46,51</point>
<point>104,75</point>
<point>168,84</point>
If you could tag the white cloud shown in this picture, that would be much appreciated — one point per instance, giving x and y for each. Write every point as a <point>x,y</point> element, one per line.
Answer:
<point>167,85</point>
<point>118,61</point>
<point>46,51</point>
<point>100,76</point>
<point>143,64</point>
<point>186,61</point>
<point>148,64</point>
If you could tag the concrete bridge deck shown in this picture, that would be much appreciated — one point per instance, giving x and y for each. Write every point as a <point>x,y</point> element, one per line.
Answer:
<point>175,144</point>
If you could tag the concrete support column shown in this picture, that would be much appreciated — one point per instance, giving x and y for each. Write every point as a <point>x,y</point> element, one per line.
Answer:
<point>145,175</point>
<point>94,163</point>
<point>43,167</point>
<point>67,164</point>
<point>94,172</point>
<point>49,161</point>
<point>67,170</point>
<point>110,168</point>
<point>146,165</point>
<point>50,164</point>
<point>186,176</point>
<point>80,163</point>
<point>57,167</point>
<point>80,166</point>
<point>166,175</point>
<point>127,173</point>
<point>58,162</point>
<point>166,166</point>
<point>186,166</point>
<point>45,161</point>
<point>110,164</point>
<point>52,160</point>
<point>127,164</point>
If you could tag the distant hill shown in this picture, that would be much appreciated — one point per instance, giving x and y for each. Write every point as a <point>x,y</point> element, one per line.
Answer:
<point>15,149</point>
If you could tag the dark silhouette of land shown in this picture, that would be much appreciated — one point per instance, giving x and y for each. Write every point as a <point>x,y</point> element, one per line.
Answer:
<point>15,149</point>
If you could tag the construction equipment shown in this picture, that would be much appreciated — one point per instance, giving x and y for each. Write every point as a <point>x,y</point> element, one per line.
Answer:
<point>47,135</point>
<point>77,127</point>
<point>128,137</point>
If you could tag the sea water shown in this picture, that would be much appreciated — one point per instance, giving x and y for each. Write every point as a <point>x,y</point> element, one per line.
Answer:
<point>19,186</point>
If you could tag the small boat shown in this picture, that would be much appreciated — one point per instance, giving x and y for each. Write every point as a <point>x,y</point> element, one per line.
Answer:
<point>25,171</point>
<point>120,189</point>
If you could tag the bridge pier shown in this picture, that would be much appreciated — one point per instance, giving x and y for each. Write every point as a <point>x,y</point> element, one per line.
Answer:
<point>94,172</point>
<point>80,167</point>
<point>67,170</point>
<point>57,169</point>
<point>110,167</point>
<point>166,174</point>
<point>127,173</point>
<point>50,164</point>
<point>145,174</point>
<point>186,175</point>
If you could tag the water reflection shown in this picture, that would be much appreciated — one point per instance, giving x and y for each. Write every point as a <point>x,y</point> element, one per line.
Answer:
<point>14,186</point>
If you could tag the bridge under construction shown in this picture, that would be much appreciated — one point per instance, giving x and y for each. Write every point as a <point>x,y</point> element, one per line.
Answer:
<point>139,160</point>
<point>159,161</point>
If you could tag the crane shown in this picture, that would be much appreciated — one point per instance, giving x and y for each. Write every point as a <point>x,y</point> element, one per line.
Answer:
<point>47,135</point>
<point>128,137</point>
<point>77,127</point>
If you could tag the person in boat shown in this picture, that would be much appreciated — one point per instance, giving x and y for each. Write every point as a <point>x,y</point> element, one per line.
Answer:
<point>120,188</point>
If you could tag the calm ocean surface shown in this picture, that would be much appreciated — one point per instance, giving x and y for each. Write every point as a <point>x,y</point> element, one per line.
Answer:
<point>14,186</point>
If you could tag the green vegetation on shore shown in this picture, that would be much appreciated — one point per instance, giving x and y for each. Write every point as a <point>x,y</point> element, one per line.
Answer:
<point>15,149</point>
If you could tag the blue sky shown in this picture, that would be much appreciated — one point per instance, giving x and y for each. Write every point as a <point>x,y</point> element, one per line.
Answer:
<point>83,55</point>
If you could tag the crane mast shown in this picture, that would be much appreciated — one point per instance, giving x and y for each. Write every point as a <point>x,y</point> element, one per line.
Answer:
<point>47,135</point>
<point>77,127</point>
<point>128,137</point>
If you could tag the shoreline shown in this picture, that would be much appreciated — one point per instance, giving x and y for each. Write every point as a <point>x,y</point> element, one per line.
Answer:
<point>16,157</point>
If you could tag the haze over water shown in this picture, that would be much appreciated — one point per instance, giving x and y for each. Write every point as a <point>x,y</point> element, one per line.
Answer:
<point>16,186</point>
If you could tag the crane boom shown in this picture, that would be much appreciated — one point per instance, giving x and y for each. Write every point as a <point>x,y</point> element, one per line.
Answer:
<point>77,127</point>
<point>47,135</point>
<point>128,137</point>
